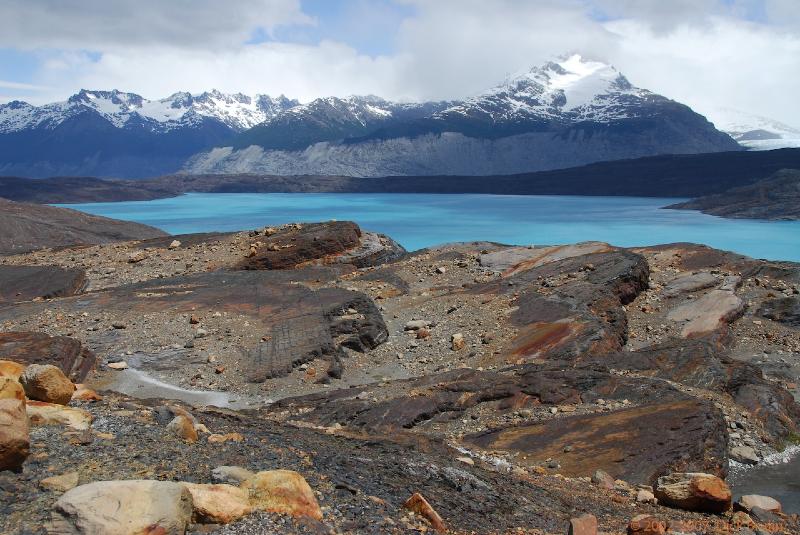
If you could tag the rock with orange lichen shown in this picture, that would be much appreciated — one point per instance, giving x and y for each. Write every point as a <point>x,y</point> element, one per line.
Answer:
<point>694,491</point>
<point>282,491</point>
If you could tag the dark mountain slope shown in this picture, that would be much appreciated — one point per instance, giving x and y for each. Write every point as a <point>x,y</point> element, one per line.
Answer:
<point>688,175</point>
<point>27,227</point>
<point>776,197</point>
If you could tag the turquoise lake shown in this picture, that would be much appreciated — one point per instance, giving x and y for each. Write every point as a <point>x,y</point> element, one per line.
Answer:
<point>422,220</point>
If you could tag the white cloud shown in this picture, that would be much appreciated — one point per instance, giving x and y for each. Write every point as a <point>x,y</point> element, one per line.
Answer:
<point>16,85</point>
<point>114,24</point>
<point>702,52</point>
<point>299,71</point>
<point>734,64</point>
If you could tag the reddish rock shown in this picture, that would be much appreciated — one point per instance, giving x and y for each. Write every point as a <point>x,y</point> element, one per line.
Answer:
<point>601,478</point>
<point>694,492</point>
<point>335,242</point>
<point>741,519</point>
<point>182,427</point>
<point>585,524</point>
<point>14,439</point>
<point>419,505</point>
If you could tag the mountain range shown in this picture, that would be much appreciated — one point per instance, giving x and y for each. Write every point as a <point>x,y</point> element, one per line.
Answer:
<point>565,113</point>
<point>755,131</point>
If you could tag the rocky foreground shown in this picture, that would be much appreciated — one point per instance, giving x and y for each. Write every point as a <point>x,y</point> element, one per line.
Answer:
<point>319,379</point>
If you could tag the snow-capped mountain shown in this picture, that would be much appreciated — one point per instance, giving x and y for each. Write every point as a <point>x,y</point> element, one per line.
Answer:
<point>333,119</point>
<point>571,90</point>
<point>565,113</point>
<point>237,111</point>
<point>569,112</point>
<point>755,131</point>
<point>113,133</point>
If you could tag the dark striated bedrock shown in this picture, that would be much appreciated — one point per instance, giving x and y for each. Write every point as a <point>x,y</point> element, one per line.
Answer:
<point>319,328</point>
<point>702,364</point>
<point>67,353</point>
<point>295,324</point>
<point>638,444</point>
<point>446,396</point>
<point>24,283</point>
<point>336,242</point>
<point>572,306</point>
<point>783,310</point>
<point>664,430</point>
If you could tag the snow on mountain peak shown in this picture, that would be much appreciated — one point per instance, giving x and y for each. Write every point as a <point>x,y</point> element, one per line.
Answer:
<point>180,109</point>
<point>571,87</point>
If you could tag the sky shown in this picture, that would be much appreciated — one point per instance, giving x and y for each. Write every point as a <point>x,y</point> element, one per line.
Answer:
<point>742,54</point>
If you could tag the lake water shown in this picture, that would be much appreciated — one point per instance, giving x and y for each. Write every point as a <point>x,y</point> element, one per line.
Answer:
<point>422,220</point>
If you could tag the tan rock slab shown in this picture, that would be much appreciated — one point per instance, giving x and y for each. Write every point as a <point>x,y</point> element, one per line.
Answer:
<point>219,504</point>
<point>748,501</point>
<point>61,483</point>
<point>515,259</point>
<point>216,438</point>
<point>41,413</point>
<point>708,313</point>
<point>123,508</point>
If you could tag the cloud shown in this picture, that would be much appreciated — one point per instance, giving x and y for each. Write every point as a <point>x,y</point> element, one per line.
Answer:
<point>5,84</point>
<point>109,25</point>
<point>734,64</point>
<point>299,71</point>
<point>736,53</point>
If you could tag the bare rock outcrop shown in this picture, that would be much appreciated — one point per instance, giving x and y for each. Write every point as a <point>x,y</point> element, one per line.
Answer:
<point>28,227</point>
